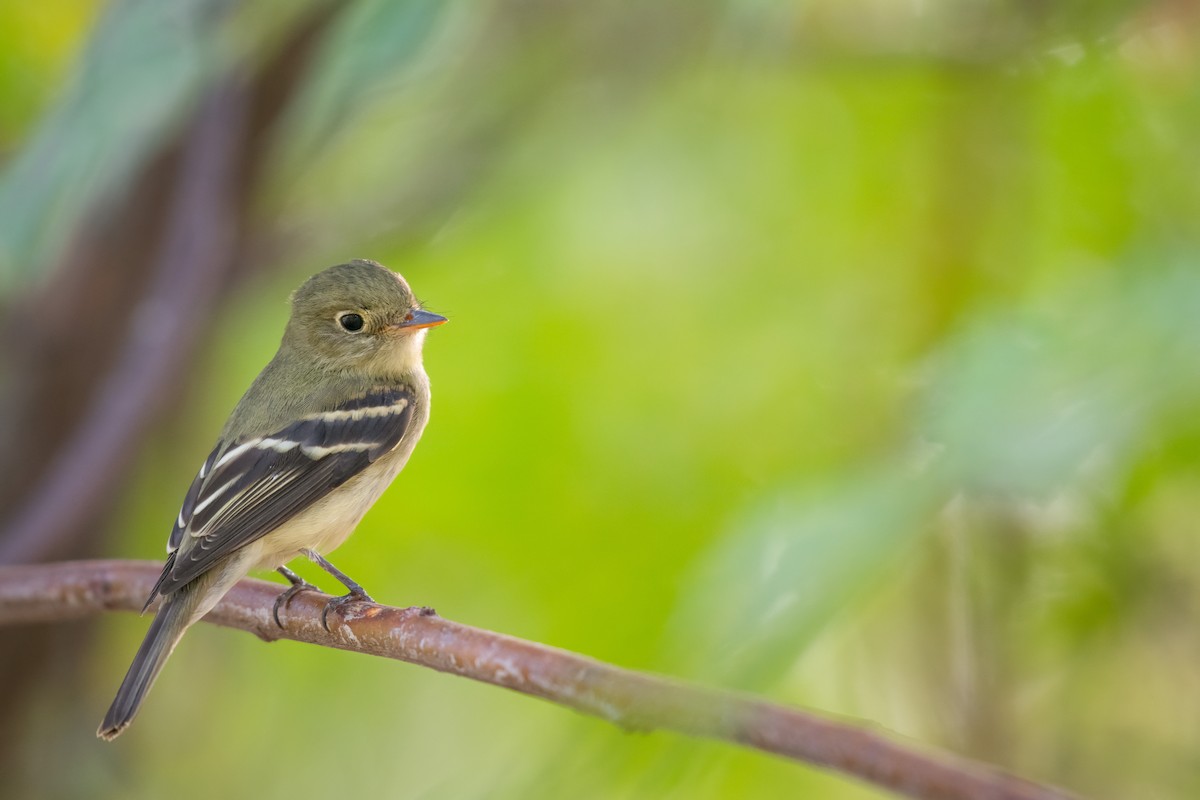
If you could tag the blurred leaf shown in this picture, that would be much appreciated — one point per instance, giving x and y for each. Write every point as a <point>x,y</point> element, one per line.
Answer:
<point>1024,403</point>
<point>37,43</point>
<point>368,52</point>
<point>144,66</point>
<point>786,569</point>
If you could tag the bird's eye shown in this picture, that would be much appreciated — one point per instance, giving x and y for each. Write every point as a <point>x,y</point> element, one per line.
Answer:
<point>351,322</point>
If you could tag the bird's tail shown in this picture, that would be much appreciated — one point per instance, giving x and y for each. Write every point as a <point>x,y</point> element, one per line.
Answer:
<point>165,632</point>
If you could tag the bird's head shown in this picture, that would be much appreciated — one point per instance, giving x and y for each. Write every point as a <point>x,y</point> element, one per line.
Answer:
<point>359,317</point>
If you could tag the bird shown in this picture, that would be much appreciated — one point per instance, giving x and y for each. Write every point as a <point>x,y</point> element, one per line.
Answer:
<point>316,439</point>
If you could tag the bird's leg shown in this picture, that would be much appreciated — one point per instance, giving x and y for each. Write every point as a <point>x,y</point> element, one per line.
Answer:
<point>298,585</point>
<point>357,593</point>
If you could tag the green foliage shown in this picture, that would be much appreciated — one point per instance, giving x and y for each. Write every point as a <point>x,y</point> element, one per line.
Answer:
<point>850,360</point>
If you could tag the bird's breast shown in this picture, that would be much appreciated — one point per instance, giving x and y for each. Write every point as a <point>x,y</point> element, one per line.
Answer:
<point>326,524</point>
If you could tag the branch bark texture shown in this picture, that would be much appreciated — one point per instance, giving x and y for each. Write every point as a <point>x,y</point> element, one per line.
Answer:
<point>633,700</point>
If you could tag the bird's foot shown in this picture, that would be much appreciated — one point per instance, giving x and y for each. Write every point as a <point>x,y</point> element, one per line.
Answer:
<point>336,604</point>
<point>286,596</point>
<point>298,585</point>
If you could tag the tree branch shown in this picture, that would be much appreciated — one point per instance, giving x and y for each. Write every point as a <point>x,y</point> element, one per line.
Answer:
<point>188,274</point>
<point>632,700</point>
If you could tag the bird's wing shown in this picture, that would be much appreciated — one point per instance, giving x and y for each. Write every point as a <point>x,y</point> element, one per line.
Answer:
<point>250,487</point>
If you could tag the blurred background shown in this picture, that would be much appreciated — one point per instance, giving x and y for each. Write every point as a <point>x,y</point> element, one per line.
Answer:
<point>842,352</point>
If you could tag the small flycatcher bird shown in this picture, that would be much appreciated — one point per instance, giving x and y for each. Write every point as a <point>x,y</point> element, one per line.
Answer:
<point>315,440</point>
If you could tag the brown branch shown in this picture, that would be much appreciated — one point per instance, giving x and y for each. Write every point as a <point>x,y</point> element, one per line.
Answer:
<point>633,700</point>
<point>139,280</point>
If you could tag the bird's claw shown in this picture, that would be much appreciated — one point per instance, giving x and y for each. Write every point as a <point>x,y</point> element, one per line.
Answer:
<point>338,602</point>
<point>286,596</point>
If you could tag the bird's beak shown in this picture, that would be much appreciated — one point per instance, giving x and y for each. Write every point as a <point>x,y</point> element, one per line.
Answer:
<point>420,319</point>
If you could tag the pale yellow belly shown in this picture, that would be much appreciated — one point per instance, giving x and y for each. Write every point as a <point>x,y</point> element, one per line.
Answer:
<point>324,526</point>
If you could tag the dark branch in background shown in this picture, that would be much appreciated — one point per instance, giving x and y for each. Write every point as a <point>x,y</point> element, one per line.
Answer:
<point>132,298</point>
<point>633,700</point>
<point>191,252</point>
<point>163,329</point>
<point>110,418</point>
